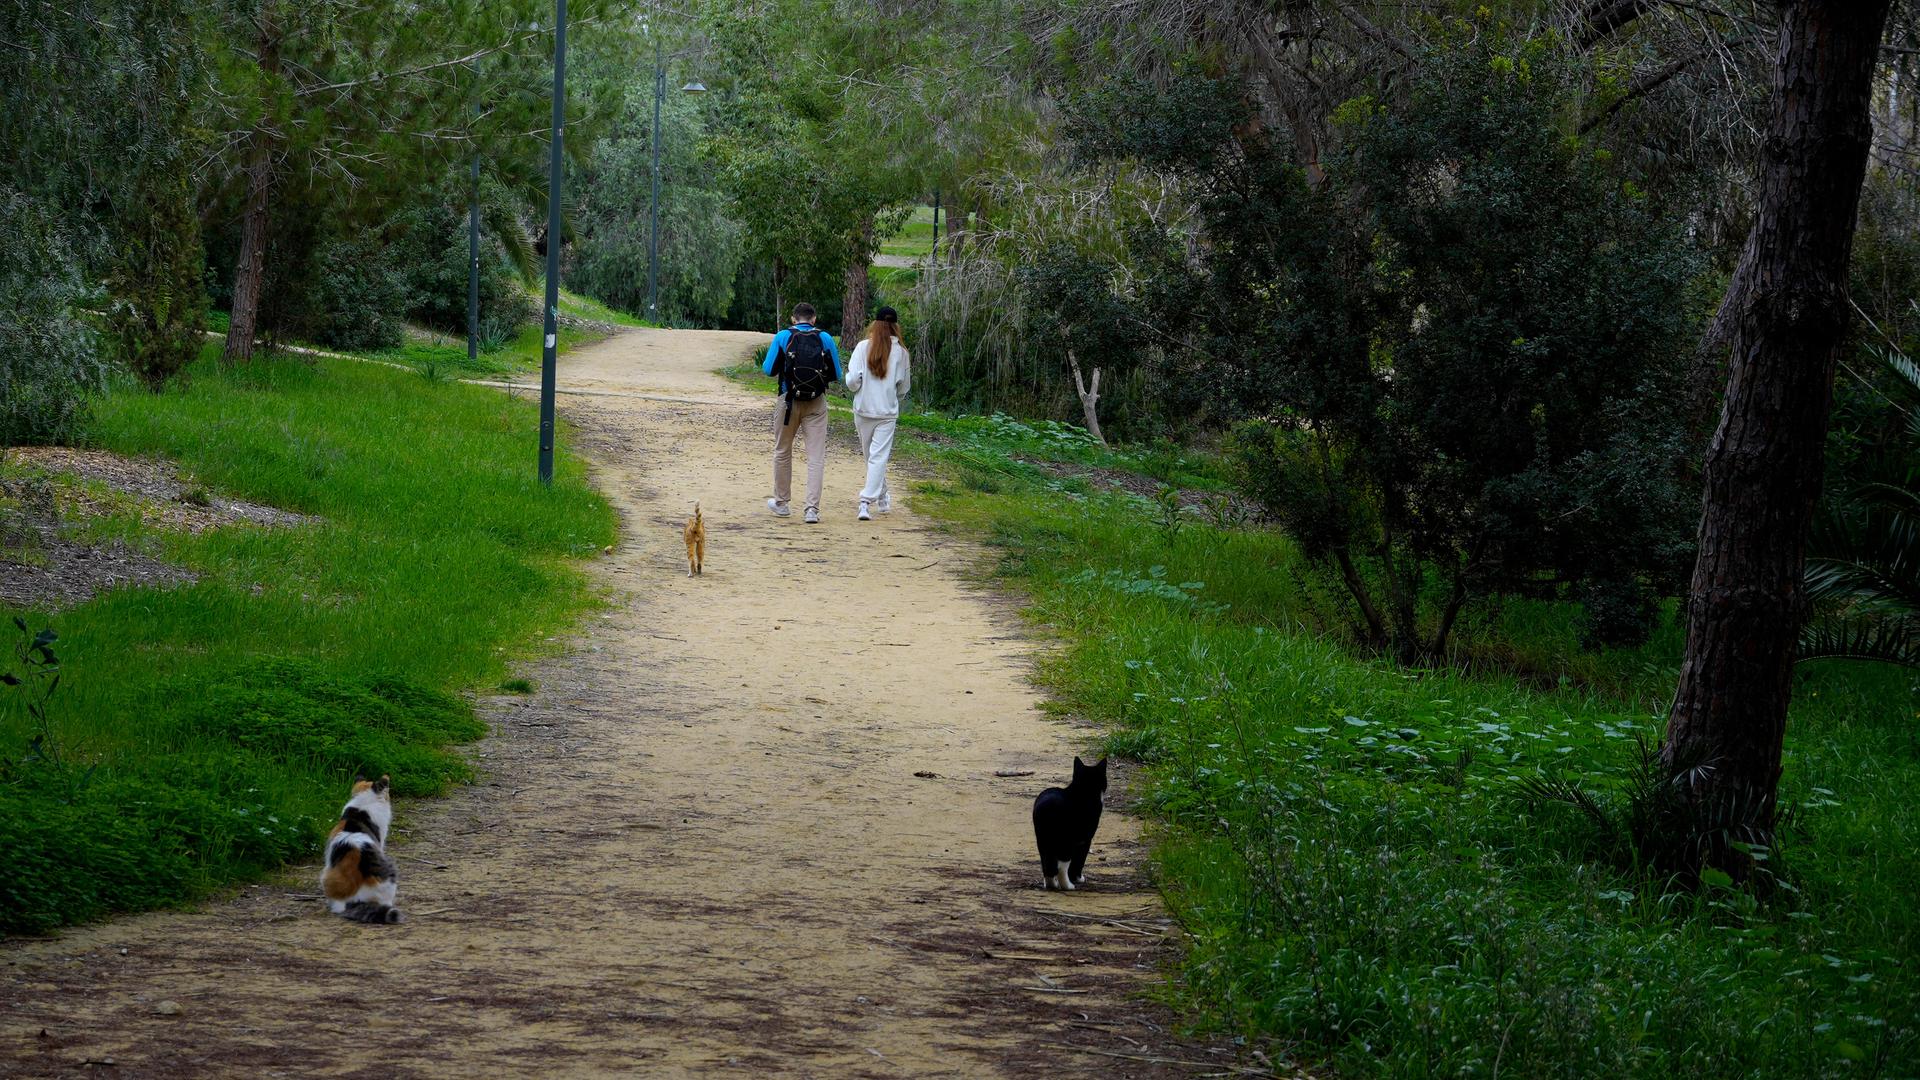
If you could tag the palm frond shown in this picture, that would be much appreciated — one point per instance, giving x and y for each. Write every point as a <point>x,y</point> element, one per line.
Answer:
<point>1891,640</point>
<point>1545,789</point>
<point>505,226</point>
<point>1868,555</point>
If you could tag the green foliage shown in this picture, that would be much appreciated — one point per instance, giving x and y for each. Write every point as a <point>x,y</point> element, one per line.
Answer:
<point>1366,877</point>
<point>358,297</point>
<point>700,242</point>
<point>223,720</point>
<point>154,265</point>
<point>159,300</point>
<point>292,710</point>
<point>49,356</point>
<point>1862,578</point>
<point>431,250</point>
<point>1169,514</point>
<point>819,141</point>
<point>241,800</point>
<point>1465,344</point>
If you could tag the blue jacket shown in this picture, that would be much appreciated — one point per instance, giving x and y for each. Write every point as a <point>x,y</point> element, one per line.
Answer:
<point>780,344</point>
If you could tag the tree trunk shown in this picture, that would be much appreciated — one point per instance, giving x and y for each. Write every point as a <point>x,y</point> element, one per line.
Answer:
<point>853,300</point>
<point>1287,97</point>
<point>1089,397</point>
<point>249,271</point>
<point>1456,600</point>
<point>1786,313</point>
<point>1357,588</point>
<point>779,314</point>
<point>956,229</point>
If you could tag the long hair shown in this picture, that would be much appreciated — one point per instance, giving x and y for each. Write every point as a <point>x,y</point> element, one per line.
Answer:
<point>881,334</point>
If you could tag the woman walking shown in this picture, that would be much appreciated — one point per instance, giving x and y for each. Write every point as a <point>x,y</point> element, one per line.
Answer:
<point>877,375</point>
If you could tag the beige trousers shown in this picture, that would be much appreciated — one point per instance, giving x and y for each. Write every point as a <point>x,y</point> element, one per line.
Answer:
<point>810,421</point>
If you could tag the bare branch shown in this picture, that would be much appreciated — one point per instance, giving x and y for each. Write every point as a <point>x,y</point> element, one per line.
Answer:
<point>1648,83</point>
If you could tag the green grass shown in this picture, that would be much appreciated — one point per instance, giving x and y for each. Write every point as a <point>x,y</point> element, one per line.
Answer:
<point>915,238</point>
<point>436,359</point>
<point>894,280</point>
<point>207,734</point>
<point>1364,888</point>
<point>983,445</point>
<point>586,307</point>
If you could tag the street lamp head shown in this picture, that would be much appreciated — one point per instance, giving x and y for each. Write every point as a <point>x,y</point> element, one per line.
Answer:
<point>694,88</point>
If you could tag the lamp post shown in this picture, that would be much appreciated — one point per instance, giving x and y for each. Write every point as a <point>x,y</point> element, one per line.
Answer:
<point>473,264</point>
<point>653,227</point>
<point>552,322</point>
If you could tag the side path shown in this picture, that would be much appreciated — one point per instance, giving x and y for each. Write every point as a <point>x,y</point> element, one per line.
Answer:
<point>746,825</point>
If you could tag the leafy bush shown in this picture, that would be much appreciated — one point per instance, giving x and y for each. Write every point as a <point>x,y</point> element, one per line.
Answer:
<point>432,255</point>
<point>359,295</point>
<point>49,356</point>
<point>158,302</point>
<point>1464,346</point>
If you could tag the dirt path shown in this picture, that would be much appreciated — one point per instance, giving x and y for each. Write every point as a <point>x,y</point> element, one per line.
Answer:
<point>701,847</point>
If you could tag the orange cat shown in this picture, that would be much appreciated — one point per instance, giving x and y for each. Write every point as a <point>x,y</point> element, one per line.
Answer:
<point>696,535</point>
<point>359,881</point>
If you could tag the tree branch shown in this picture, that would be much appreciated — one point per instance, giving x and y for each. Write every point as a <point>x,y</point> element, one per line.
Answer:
<point>1605,17</point>
<point>479,54</point>
<point>1648,83</point>
<point>1360,23</point>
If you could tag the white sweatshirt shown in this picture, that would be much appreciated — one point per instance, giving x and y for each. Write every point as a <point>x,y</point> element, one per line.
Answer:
<point>878,397</point>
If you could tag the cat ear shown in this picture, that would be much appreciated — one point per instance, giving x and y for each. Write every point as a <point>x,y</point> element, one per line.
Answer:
<point>383,783</point>
<point>1077,763</point>
<point>1101,764</point>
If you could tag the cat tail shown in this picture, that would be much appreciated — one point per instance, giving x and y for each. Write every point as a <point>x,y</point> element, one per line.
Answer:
<point>371,911</point>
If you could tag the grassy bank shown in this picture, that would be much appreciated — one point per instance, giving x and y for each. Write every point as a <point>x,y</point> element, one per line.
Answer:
<point>205,734</point>
<point>1365,885</point>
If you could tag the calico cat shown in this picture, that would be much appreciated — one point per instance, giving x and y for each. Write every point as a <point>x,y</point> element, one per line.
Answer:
<point>359,880</point>
<point>1064,820</point>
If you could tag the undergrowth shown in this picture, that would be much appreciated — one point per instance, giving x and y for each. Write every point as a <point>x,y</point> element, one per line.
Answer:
<point>1358,853</point>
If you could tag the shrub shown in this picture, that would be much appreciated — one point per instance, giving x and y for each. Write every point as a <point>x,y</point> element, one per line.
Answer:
<point>49,356</point>
<point>359,297</point>
<point>1463,347</point>
<point>159,303</point>
<point>432,255</point>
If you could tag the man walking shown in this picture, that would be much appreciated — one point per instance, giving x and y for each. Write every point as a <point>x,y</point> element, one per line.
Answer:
<point>806,362</point>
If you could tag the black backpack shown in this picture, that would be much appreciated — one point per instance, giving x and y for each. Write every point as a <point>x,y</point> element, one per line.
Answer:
<point>805,369</point>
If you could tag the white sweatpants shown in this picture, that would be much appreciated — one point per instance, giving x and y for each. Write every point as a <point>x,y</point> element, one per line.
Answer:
<point>876,445</point>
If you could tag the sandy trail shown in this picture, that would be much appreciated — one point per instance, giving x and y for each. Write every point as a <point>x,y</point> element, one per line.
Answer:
<point>700,847</point>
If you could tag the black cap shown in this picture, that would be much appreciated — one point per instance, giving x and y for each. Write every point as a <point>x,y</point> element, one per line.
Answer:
<point>886,314</point>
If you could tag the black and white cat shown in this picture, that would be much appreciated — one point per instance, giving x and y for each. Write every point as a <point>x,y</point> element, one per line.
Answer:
<point>1064,820</point>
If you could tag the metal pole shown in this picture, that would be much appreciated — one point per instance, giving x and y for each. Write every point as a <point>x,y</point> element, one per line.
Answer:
<point>548,355</point>
<point>653,230</point>
<point>933,262</point>
<point>473,265</point>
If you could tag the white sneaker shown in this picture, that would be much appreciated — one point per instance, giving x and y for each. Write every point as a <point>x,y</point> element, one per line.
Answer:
<point>864,516</point>
<point>778,510</point>
<point>884,506</point>
<point>813,516</point>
